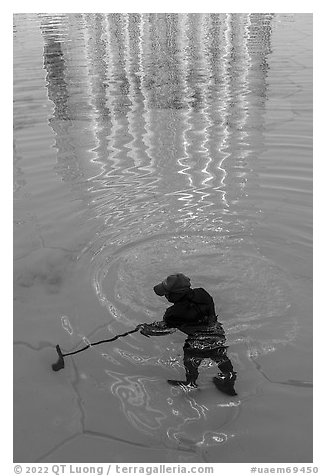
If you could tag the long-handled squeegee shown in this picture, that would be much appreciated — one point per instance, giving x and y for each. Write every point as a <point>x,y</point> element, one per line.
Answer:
<point>60,362</point>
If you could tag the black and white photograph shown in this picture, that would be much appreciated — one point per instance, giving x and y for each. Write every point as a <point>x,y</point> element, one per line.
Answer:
<point>162,239</point>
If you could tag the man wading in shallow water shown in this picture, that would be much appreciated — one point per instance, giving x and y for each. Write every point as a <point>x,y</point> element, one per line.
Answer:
<point>193,313</point>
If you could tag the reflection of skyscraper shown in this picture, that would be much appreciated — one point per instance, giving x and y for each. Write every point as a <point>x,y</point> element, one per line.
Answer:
<point>58,92</point>
<point>260,31</point>
<point>56,57</point>
<point>237,79</point>
<point>179,91</point>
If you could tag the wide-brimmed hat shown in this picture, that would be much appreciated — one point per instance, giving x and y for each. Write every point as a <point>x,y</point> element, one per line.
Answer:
<point>175,283</point>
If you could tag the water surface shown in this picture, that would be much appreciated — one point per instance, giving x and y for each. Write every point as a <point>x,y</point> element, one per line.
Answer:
<point>146,144</point>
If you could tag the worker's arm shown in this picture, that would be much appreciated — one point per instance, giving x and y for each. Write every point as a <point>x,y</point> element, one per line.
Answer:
<point>159,328</point>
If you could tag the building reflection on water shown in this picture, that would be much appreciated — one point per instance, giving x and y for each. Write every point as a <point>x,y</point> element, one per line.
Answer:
<point>158,120</point>
<point>167,106</point>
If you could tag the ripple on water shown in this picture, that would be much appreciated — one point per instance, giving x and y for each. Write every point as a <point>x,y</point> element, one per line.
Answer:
<point>253,298</point>
<point>249,290</point>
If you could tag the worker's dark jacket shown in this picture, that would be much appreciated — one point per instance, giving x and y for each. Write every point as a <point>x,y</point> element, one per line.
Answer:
<point>193,314</point>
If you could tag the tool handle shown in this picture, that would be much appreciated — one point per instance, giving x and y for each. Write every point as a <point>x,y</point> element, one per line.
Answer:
<point>116,337</point>
<point>102,342</point>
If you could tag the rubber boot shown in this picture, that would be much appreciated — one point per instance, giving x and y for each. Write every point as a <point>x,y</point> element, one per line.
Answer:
<point>225,382</point>
<point>183,383</point>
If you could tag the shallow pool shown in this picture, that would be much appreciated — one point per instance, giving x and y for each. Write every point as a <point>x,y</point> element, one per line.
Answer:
<point>146,144</point>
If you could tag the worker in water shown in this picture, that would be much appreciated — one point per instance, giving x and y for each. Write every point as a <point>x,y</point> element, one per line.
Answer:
<point>193,313</point>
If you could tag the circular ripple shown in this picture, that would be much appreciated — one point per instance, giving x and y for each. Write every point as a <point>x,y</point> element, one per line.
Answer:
<point>252,294</point>
<point>253,299</point>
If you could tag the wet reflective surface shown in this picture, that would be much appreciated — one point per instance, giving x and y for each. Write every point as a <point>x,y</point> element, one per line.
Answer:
<point>146,144</point>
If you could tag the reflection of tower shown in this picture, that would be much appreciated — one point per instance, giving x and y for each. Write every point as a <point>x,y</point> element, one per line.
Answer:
<point>236,53</point>
<point>56,64</point>
<point>97,84</point>
<point>260,31</point>
<point>184,92</point>
<point>164,65</point>
<point>230,90</point>
<point>251,46</point>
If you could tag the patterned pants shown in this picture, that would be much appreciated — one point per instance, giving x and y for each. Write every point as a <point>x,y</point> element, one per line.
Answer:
<point>194,357</point>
